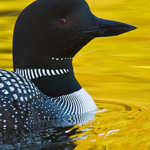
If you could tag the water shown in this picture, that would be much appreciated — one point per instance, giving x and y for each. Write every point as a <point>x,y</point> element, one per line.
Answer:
<point>114,70</point>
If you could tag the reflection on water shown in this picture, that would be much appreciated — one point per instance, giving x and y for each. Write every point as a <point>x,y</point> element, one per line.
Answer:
<point>57,134</point>
<point>115,71</point>
<point>52,138</point>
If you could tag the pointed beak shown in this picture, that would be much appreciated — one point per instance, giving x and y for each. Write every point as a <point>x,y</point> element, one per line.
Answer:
<point>112,28</point>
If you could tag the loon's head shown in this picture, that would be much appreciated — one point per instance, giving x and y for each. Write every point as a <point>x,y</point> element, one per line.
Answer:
<point>59,29</point>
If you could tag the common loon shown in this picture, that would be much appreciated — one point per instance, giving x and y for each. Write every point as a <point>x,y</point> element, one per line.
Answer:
<point>47,35</point>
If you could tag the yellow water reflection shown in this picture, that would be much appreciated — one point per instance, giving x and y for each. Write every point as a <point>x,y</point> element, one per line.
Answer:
<point>114,70</point>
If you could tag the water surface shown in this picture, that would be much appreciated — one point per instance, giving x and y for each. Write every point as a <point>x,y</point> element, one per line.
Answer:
<point>114,70</point>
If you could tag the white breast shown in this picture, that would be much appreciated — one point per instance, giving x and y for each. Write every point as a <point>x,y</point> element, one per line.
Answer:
<point>77,103</point>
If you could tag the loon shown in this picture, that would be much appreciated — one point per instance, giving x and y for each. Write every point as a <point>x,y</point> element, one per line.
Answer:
<point>47,36</point>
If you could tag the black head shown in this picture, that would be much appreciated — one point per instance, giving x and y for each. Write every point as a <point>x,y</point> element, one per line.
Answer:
<point>58,28</point>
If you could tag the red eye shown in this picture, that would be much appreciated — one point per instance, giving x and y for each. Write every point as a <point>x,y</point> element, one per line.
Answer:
<point>62,21</point>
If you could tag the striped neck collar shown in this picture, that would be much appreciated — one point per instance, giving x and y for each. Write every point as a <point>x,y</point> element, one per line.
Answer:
<point>56,66</point>
<point>36,73</point>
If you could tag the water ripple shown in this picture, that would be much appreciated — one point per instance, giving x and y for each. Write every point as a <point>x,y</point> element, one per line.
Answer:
<point>9,13</point>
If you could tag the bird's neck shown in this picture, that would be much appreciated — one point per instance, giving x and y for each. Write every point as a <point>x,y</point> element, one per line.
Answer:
<point>54,76</point>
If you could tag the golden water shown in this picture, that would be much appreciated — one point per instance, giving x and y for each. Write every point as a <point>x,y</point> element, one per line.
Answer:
<point>114,70</point>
